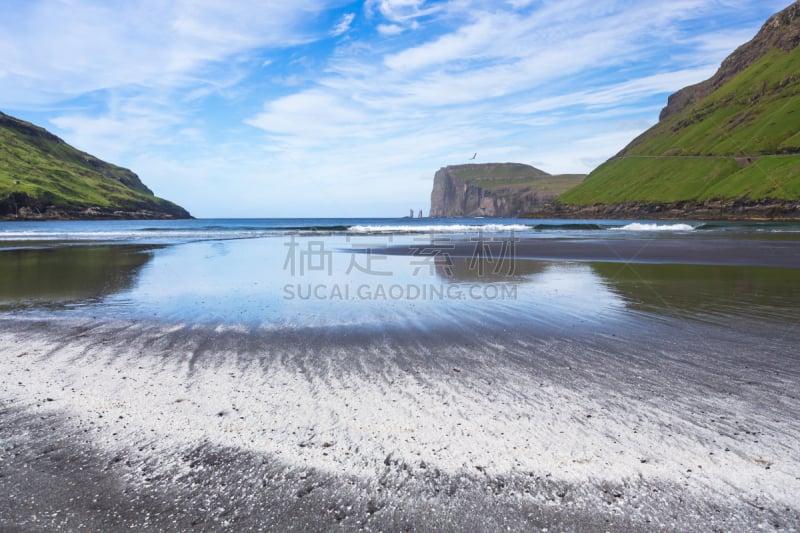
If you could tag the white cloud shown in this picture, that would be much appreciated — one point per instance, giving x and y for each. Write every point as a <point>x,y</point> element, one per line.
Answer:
<point>518,4</point>
<point>402,11</point>
<point>462,45</point>
<point>390,29</point>
<point>343,26</point>
<point>314,115</point>
<point>619,93</point>
<point>402,15</point>
<point>58,50</point>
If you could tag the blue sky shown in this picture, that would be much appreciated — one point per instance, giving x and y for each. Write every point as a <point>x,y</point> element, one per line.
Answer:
<point>267,108</point>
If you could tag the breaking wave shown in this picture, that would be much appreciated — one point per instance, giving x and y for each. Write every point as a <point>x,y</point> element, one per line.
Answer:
<point>439,228</point>
<point>638,226</point>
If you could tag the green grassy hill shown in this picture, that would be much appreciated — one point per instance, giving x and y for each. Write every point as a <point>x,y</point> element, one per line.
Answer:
<point>41,176</point>
<point>735,137</point>
<point>495,190</point>
<point>509,177</point>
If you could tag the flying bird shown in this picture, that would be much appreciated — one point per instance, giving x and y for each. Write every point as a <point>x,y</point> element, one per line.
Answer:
<point>474,156</point>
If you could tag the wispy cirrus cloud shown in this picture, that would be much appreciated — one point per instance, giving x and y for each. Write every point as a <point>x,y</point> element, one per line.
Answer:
<point>390,29</point>
<point>343,26</point>
<point>56,50</point>
<point>403,11</point>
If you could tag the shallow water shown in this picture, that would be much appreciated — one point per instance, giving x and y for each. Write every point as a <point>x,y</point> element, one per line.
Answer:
<point>340,278</point>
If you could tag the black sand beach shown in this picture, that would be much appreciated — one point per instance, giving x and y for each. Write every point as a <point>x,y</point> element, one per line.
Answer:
<point>686,251</point>
<point>606,395</point>
<point>112,425</point>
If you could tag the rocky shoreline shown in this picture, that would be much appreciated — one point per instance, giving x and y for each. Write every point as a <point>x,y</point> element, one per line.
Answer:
<point>89,213</point>
<point>767,209</point>
<point>22,207</point>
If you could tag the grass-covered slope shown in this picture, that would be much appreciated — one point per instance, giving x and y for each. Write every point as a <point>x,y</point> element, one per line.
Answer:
<point>735,137</point>
<point>495,190</point>
<point>41,176</point>
<point>509,177</point>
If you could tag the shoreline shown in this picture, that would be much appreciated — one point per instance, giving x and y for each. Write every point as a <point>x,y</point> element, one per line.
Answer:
<point>604,395</point>
<point>710,210</point>
<point>644,249</point>
<point>91,213</point>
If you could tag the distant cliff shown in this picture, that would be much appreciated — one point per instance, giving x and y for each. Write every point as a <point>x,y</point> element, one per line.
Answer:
<point>495,190</point>
<point>42,177</point>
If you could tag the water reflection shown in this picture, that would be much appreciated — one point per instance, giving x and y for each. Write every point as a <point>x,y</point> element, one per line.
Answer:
<point>664,289</point>
<point>68,275</point>
<point>256,281</point>
<point>487,269</point>
<point>699,290</point>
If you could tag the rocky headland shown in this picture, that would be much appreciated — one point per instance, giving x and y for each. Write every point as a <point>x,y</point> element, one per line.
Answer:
<point>495,190</point>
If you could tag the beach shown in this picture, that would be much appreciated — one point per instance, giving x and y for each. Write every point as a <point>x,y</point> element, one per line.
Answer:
<point>683,252</point>
<point>580,382</point>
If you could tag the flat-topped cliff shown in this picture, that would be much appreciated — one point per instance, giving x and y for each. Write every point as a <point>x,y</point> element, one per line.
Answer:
<point>495,189</point>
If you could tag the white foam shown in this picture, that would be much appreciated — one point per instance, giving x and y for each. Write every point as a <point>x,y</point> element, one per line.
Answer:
<point>134,235</point>
<point>638,226</point>
<point>200,234</point>
<point>439,228</point>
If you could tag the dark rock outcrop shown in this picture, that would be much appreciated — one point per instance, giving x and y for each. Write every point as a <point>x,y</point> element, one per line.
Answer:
<point>741,209</point>
<point>21,206</point>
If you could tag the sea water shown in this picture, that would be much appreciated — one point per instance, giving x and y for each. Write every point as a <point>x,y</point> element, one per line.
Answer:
<point>275,273</point>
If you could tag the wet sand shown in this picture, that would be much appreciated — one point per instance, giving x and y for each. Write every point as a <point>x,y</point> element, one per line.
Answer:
<point>677,427</point>
<point>778,252</point>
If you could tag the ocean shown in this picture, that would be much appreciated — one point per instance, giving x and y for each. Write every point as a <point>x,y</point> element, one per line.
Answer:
<point>178,231</point>
<point>275,273</point>
<point>385,374</point>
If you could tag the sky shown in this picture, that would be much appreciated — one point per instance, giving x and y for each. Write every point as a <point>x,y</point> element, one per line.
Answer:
<point>312,108</point>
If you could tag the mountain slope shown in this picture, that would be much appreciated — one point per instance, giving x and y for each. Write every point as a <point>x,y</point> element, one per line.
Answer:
<point>495,189</point>
<point>732,140</point>
<point>41,176</point>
